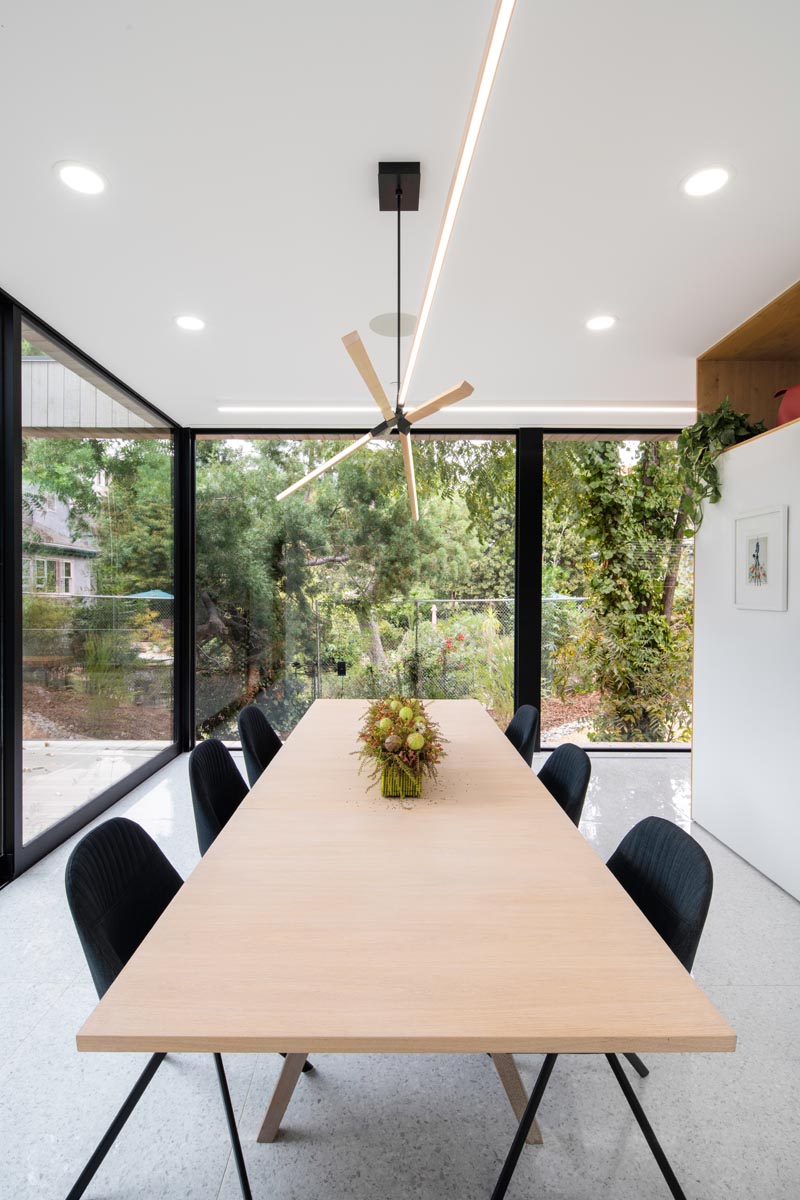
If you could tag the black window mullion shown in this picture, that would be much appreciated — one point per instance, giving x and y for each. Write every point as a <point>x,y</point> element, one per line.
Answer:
<point>10,589</point>
<point>528,605</point>
<point>184,588</point>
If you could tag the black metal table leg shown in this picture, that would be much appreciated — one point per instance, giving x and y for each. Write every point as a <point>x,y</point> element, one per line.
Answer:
<point>524,1128</point>
<point>113,1131</point>
<point>234,1132</point>
<point>637,1064</point>
<point>646,1127</point>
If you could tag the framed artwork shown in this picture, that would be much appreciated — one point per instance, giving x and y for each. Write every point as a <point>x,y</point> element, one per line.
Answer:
<point>761,576</point>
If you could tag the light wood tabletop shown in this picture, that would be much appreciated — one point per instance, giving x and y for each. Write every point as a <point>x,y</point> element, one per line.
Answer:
<point>325,918</point>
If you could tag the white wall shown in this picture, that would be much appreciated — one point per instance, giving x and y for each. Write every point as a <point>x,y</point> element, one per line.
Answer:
<point>746,760</point>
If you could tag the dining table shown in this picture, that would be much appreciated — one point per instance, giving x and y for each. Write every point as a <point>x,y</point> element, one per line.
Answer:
<point>475,919</point>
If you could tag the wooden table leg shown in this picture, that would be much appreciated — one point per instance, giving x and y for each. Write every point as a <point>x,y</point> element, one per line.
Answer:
<point>515,1090</point>
<point>287,1081</point>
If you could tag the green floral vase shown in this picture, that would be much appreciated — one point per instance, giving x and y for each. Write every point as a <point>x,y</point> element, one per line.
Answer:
<point>398,784</point>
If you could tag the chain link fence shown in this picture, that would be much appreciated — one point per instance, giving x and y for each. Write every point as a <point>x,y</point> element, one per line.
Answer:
<point>435,649</point>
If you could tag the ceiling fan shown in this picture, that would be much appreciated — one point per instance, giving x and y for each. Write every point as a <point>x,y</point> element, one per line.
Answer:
<point>398,190</point>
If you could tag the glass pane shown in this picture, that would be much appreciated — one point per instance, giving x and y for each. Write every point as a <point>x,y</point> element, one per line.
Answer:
<point>335,591</point>
<point>97,582</point>
<point>617,593</point>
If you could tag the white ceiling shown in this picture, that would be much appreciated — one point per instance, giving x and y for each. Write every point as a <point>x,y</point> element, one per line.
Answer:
<point>241,141</point>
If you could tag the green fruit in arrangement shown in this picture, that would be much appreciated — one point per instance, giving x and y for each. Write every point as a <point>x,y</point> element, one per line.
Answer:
<point>384,724</point>
<point>405,713</point>
<point>394,705</point>
<point>415,741</point>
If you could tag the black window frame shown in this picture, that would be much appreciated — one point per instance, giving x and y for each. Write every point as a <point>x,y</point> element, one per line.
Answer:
<point>528,595</point>
<point>17,856</point>
<point>627,433</point>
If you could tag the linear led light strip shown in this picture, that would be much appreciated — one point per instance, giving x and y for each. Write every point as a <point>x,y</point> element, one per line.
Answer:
<point>482,409</point>
<point>480,99</point>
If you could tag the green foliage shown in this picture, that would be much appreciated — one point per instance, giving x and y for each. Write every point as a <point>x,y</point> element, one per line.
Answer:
<point>564,549</point>
<point>642,667</point>
<point>106,654</point>
<point>346,543</point>
<point>135,518</point>
<point>467,653</point>
<point>561,623</point>
<point>44,612</point>
<point>119,491</point>
<point>699,447</point>
<point>47,623</point>
<point>493,669</point>
<point>66,468</point>
<point>615,522</point>
<point>631,640</point>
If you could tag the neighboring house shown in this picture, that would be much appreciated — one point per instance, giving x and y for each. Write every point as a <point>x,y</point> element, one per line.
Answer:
<point>54,561</point>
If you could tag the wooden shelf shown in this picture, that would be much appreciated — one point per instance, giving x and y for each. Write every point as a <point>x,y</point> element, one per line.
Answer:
<point>754,361</point>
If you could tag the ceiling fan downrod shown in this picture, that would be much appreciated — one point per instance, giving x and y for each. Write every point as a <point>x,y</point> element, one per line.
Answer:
<point>399,194</point>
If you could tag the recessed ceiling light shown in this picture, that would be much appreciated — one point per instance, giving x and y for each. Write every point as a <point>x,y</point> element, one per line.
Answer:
<point>603,321</point>
<point>80,178</point>
<point>193,324</point>
<point>707,181</point>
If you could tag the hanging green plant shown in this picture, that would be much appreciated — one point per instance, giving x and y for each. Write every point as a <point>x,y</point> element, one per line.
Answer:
<point>699,447</point>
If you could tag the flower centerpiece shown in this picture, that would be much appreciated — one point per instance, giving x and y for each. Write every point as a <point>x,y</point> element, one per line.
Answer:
<point>401,744</point>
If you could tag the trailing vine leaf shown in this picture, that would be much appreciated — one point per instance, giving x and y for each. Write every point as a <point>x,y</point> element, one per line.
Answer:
<point>699,447</point>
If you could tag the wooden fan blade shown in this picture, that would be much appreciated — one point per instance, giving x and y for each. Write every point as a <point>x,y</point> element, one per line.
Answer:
<point>411,480</point>
<point>363,364</point>
<point>326,466</point>
<point>455,394</point>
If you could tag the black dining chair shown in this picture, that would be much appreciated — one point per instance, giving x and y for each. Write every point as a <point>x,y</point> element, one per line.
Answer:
<point>566,776</point>
<point>118,883</point>
<point>669,877</point>
<point>217,789</point>
<point>522,731</point>
<point>260,742</point>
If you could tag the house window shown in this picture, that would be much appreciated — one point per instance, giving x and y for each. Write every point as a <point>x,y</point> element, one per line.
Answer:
<point>49,575</point>
<point>45,575</point>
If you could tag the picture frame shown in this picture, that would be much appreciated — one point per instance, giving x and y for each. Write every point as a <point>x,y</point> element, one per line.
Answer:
<point>760,559</point>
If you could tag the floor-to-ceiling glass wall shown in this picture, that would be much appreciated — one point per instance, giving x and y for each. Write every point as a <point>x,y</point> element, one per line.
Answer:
<point>336,591</point>
<point>617,592</point>
<point>97,583</point>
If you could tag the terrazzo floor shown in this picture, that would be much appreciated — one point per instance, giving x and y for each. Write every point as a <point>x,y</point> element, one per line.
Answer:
<point>433,1127</point>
